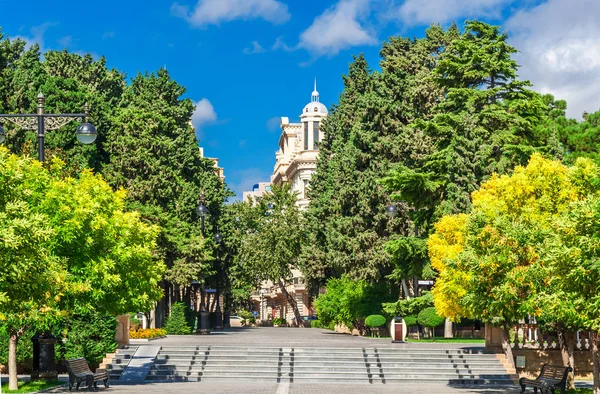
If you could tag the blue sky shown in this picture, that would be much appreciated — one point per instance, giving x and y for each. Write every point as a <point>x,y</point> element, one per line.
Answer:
<point>248,62</point>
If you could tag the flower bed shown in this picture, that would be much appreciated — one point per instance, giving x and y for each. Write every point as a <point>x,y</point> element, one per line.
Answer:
<point>147,333</point>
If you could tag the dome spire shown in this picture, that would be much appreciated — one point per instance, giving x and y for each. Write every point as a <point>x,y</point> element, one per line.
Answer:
<point>315,93</point>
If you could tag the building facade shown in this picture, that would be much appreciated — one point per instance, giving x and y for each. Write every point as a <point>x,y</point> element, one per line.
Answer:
<point>295,163</point>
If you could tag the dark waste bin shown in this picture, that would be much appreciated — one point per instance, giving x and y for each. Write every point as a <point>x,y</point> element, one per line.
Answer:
<point>44,366</point>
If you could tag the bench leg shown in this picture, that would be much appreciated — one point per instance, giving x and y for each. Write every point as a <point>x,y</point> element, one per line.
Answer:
<point>89,381</point>
<point>535,389</point>
<point>106,383</point>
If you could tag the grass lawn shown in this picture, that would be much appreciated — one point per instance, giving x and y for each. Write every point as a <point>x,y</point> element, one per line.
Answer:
<point>447,340</point>
<point>31,387</point>
<point>580,391</point>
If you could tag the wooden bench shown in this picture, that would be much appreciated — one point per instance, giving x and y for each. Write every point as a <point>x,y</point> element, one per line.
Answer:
<point>79,371</point>
<point>551,377</point>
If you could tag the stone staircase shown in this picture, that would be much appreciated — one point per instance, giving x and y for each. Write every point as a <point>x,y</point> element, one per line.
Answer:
<point>275,364</point>
<point>119,361</point>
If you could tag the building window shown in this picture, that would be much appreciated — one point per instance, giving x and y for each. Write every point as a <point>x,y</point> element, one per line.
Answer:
<point>305,135</point>
<point>316,135</point>
<point>316,109</point>
<point>267,188</point>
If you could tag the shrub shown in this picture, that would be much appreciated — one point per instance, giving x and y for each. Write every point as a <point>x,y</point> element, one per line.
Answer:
<point>349,302</point>
<point>410,320</point>
<point>89,335</point>
<point>409,307</point>
<point>373,321</point>
<point>177,324</point>
<point>331,326</point>
<point>428,317</point>
<point>279,321</point>
<point>316,324</point>
<point>147,333</point>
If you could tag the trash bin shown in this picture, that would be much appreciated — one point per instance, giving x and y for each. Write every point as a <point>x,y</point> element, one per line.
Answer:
<point>398,330</point>
<point>44,366</point>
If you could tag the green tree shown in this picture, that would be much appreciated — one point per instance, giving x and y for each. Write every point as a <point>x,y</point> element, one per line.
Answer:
<point>506,259</point>
<point>68,245</point>
<point>271,245</point>
<point>177,323</point>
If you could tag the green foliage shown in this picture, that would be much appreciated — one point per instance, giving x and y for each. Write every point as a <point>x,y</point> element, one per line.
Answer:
<point>408,307</point>
<point>177,323</point>
<point>428,317</point>
<point>316,324</point>
<point>349,301</point>
<point>373,321</point>
<point>529,248</point>
<point>410,320</point>
<point>273,232</point>
<point>142,125</point>
<point>331,326</point>
<point>33,387</point>
<point>90,335</point>
<point>279,321</point>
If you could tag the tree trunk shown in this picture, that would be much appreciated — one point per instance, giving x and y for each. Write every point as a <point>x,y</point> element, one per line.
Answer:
<point>566,341</point>
<point>506,347</point>
<point>405,289</point>
<point>292,303</point>
<point>448,333</point>
<point>595,356</point>
<point>12,362</point>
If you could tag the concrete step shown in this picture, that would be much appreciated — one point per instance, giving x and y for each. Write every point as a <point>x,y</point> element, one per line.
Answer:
<point>255,374</point>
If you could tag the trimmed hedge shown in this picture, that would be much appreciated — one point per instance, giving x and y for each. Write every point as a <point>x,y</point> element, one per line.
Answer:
<point>373,321</point>
<point>410,320</point>
<point>316,324</point>
<point>428,317</point>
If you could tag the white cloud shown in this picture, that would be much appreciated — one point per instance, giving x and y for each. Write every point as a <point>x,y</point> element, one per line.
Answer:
<point>279,44</point>
<point>204,114</point>
<point>256,48</point>
<point>37,36</point>
<point>339,27</point>
<point>424,12</point>
<point>273,124</point>
<point>560,52</point>
<point>65,42</point>
<point>207,12</point>
<point>108,34</point>
<point>243,180</point>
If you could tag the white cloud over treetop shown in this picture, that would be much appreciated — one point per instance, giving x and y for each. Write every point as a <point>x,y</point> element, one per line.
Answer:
<point>207,12</point>
<point>203,114</point>
<point>339,27</point>
<point>560,53</point>
<point>424,12</point>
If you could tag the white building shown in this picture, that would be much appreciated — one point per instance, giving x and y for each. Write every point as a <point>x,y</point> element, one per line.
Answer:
<point>258,190</point>
<point>295,162</point>
<point>296,159</point>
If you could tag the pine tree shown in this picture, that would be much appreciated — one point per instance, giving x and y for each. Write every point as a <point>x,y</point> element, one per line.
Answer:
<point>177,324</point>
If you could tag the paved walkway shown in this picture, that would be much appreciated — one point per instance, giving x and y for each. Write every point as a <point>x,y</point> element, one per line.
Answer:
<point>285,388</point>
<point>291,337</point>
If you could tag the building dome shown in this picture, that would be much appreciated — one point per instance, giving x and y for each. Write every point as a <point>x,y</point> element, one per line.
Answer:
<point>315,106</point>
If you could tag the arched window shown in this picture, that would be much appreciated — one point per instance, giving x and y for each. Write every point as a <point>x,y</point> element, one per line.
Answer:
<point>316,109</point>
<point>306,110</point>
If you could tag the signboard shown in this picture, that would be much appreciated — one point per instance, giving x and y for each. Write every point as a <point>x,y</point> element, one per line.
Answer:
<point>210,290</point>
<point>255,314</point>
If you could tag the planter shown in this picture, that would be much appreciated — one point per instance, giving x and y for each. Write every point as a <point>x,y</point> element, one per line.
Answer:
<point>140,341</point>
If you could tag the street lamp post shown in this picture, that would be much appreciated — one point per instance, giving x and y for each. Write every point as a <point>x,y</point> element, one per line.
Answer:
<point>218,314</point>
<point>86,132</point>
<point>203,320</point>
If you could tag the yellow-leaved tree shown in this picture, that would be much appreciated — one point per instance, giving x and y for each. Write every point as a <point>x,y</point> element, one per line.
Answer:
<point>66,245</point>
<point>498,262</point>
